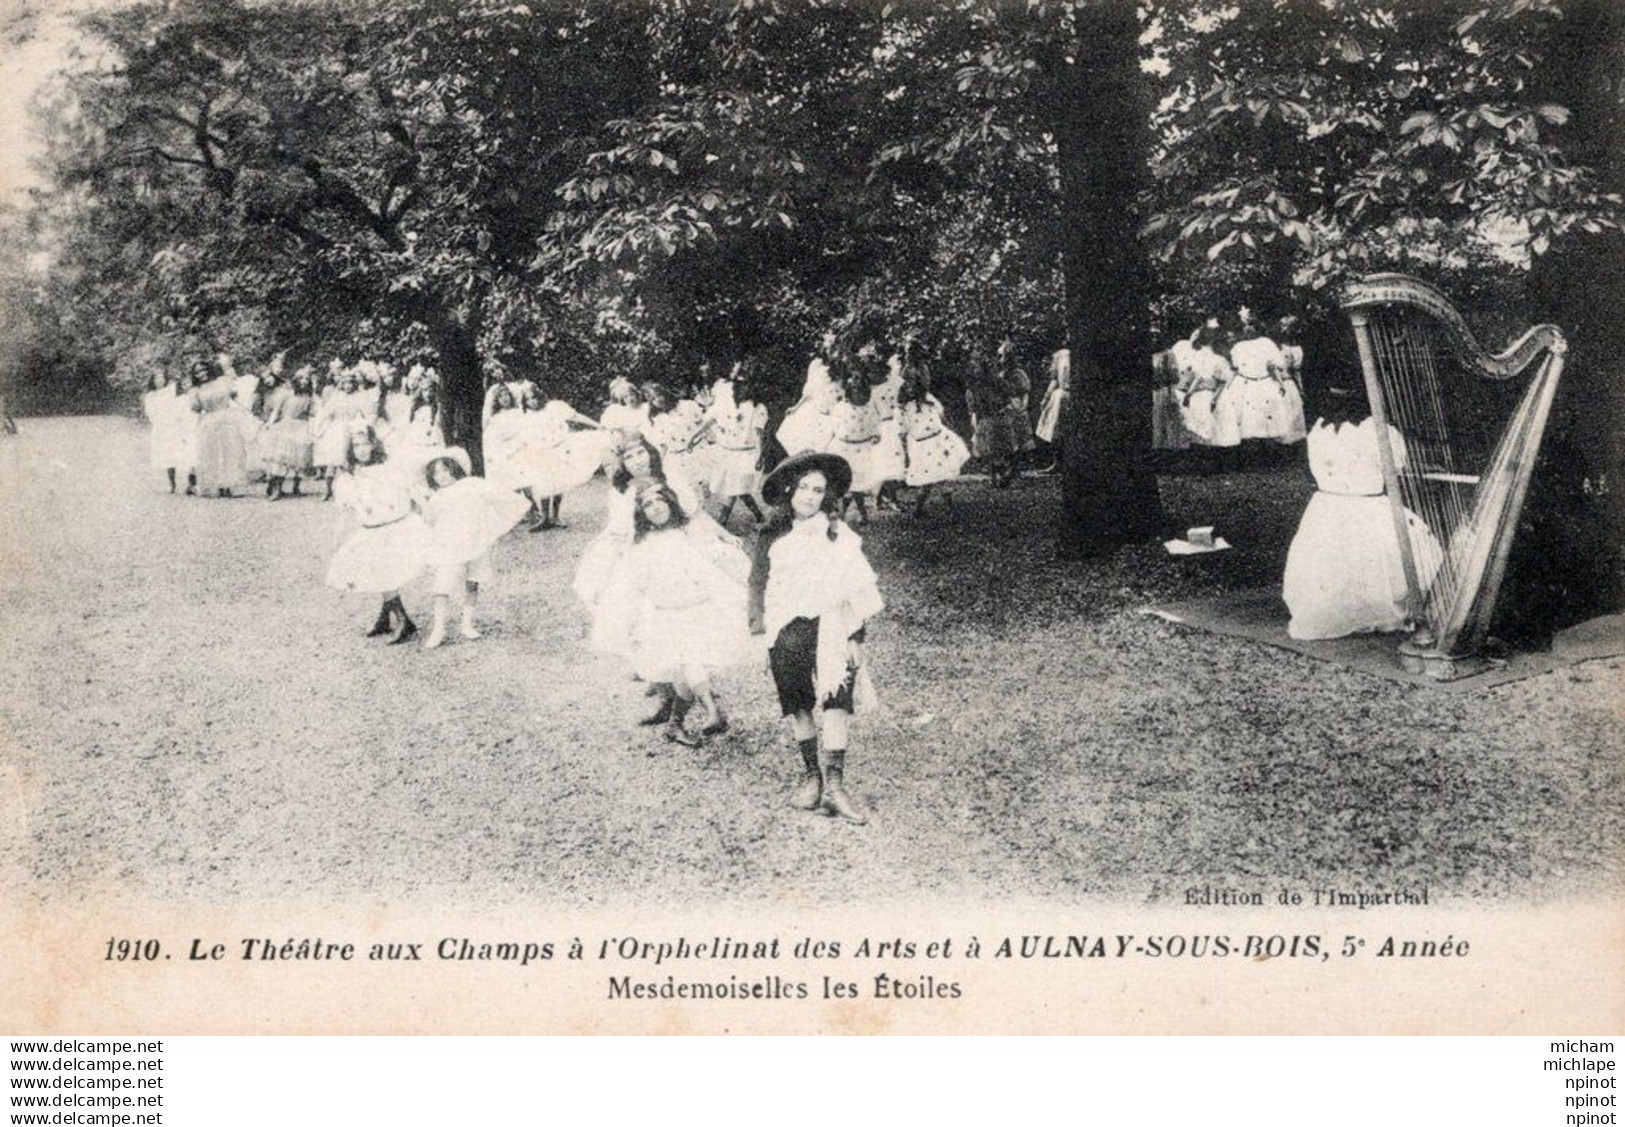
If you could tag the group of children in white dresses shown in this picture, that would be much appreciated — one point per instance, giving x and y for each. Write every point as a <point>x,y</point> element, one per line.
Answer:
<point>890,434</point>
<point>218,430</point>
<point>667,587</point>
<point>1221,387</point>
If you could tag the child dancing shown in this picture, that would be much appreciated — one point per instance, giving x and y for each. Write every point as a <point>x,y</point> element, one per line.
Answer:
<point>812,592</point>
<point>466,516</point>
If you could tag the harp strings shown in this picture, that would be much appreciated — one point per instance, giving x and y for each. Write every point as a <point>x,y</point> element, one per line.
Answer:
<point>1458,463</point>
<point>1409,378</point>
<point>1452,499</point>
<point>1460,503</point>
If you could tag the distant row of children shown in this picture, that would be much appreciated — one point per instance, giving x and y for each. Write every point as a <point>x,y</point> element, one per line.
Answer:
<point>217,430</point>
<point>1228,384</point>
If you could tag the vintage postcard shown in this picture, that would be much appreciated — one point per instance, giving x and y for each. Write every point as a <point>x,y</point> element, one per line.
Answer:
<point>810,517</point>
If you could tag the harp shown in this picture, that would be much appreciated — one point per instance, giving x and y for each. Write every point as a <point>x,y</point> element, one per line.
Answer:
<point>1458,432</point>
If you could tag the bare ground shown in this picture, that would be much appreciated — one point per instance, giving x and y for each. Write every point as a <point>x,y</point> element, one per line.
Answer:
<point>189,712</point>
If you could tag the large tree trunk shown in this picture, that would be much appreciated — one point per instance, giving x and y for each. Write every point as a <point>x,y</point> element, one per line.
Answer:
<point>1102,132</point>
<point>462,383</point>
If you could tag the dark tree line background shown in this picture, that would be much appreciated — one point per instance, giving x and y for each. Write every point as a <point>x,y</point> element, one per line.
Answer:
<point>576,190</point>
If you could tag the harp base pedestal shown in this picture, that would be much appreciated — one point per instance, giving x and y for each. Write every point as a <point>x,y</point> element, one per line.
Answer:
<point>1440,666</point>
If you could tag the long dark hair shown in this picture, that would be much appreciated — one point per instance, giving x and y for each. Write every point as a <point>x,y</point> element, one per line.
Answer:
<point>622,476</point>
<point>779,522</point>
<point>1344,402</point>
<point>658,398</point>
<point>640,523</point>
<point>426,396</point>
<point>379,454</point>
<point>451,465</point>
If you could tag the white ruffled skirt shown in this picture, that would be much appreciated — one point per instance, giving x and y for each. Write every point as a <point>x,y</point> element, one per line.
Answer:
<point>890,456</point>
<point>806,428</point>
<point>936,457</point>
<point>1253,409</point>
<point>1344,573</point>
<point>468,517</point>
<point>382,559</point>
<point>733,471</point>
<point>552,470</point>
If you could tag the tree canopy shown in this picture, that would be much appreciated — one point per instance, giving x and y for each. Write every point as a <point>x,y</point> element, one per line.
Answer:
<point>578,190</point>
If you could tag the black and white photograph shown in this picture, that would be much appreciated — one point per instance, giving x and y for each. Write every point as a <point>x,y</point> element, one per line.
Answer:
<point>1079,516</point>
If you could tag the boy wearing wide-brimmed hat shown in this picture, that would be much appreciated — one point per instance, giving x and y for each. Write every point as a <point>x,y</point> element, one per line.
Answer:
<point>812,592</point>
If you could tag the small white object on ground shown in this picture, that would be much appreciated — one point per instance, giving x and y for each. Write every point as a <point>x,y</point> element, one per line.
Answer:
<point>1186,548</point>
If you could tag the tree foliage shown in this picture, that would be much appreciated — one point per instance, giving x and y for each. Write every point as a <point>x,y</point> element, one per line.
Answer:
<point>578,190</point>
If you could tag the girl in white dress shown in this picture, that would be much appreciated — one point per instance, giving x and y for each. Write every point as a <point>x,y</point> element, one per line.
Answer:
<point>807,425</point>
<point>185,430</point>
<point>812,593</point>
<point>249,407</point>
<point>562,451</point>
<point>737,423</point>
<point>1254,404</point>
<point>626,409</point>
<point>394,400</point>
<point>1054,405</point>
<point>890,454</point>
<point>631,460</point>
<point>1019,386</point>
<point>364,392</point>
<point>330,429</point>
<point>288,442</point>
<point>695,406</point>
<point>595,572</point>
<point>391,547</point>
<point>1286,335</point>
<point>856,426</point>
<point>936,454</point>
<point>993,437</point>
<point>422,436</point>
<point>466,516</point>
<point>672,429</point>
<point>222,461</point>
<point>1209,374</point>
<point>163,437</point>
<point>1344,573</point>
<point>681,593</point>
<point>503,436</point>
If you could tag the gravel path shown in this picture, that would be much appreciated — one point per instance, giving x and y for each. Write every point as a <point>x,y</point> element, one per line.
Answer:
<point>190,713</point>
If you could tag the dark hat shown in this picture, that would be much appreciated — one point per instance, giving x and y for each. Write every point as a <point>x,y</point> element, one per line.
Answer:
<point>776,486</point>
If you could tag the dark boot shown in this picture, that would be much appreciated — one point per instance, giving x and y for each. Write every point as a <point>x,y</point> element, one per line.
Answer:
<point>663,713</point>
<point>836,800</point>
<point>408,629</point>
<point>718,724</point>
<point>675,730</point>
<point>809,793</point>
<point>384,624</point>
